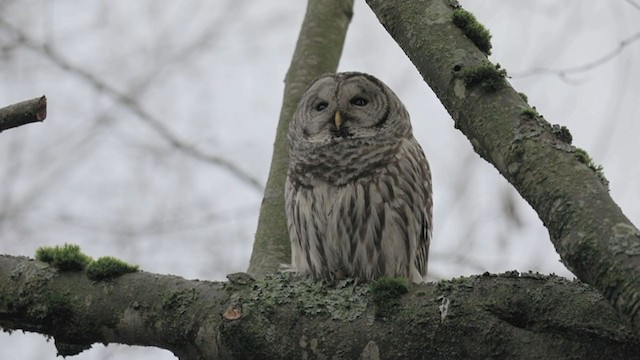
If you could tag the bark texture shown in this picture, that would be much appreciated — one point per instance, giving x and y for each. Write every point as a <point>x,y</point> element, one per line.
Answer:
<point>317,52</point>
<point>507,316</point>
<point>25,112</point>
<point>594,238</point>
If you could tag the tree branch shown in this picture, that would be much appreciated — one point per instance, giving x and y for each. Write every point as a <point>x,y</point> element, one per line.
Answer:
<point>22,113</point>
<point>508,316</point>
<point>136,309</point>
<point>594,238</point>
<point>317,52</point>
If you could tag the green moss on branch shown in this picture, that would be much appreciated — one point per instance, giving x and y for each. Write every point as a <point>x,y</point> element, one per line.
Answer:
<point>386,294</point>
<point>488,76</point>
<point>475,31</point>
<point>108,267</point>
<point>530,113</point>
<point>67,257</point>
<point>584,158</point>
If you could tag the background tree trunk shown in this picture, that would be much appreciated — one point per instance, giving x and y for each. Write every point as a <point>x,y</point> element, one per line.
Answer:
<point>317,52</point>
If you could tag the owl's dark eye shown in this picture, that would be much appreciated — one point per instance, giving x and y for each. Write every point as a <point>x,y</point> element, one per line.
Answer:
<point>358,101</point>
<point>321,106</point>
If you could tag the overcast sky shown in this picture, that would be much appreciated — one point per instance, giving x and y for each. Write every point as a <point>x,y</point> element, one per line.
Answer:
<point>100,173</point>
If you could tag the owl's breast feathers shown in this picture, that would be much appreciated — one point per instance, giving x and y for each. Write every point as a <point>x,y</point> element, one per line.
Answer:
<point>376,223</point>
<point>348,161</point>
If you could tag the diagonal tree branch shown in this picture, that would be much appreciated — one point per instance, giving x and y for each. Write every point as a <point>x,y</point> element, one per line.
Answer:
<point>317,52</point>
<point>511,316</point>
<point>25,112</point>
<point>594,238</point>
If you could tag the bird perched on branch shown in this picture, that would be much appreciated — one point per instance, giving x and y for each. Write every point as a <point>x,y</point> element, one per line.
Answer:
<point>358,191</point>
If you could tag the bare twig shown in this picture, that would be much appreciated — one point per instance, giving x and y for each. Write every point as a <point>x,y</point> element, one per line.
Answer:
<point>563,73</point>
<point>25,112</point>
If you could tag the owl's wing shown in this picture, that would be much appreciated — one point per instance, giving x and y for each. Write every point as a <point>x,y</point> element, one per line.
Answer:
<point>422,251</point>
<point>423,205</point>
<point>294,235</point>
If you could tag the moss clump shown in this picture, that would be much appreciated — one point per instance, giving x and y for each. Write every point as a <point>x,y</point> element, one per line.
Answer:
<point>562,133</point>
<point>67,257</point>
<point>108,267</point>
<point>488,76</point>
<point>524,97</point>
<point>584,158</point>
<point>475,31</point>
<point>386,294</point>
<point>530,113</point>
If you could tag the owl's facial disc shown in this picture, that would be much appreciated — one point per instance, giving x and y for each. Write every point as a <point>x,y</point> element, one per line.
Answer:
<point>344,107</point>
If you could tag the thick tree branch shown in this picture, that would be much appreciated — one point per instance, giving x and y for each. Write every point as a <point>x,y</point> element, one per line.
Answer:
<point>592,235</point>
<point>136,309</point>
<point>22,113</point>
<point>509,316</point>
<point>317,52</point>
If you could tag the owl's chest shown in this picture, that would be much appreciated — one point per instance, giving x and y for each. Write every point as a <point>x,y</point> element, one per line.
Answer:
<point>343,209</point>
<point>328,200</point>
<point>342,163</point>
<point>338,177</point>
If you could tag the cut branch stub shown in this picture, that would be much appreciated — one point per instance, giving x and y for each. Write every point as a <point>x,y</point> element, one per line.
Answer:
<point>22,113</point>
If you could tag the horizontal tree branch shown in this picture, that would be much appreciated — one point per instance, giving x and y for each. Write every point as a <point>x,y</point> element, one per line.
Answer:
<point>489,316</point>
<point>22,113</point>
<point>595,240</point>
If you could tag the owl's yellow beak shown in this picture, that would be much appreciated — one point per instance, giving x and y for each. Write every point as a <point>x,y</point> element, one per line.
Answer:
<point>338,119</point>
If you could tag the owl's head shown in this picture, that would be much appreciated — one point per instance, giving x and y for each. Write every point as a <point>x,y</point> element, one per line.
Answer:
<point>343,107</point>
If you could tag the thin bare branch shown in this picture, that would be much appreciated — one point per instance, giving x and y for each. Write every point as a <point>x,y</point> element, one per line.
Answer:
<point>563,73</point>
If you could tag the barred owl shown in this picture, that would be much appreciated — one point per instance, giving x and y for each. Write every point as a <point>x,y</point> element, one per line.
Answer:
<point>358,189</point>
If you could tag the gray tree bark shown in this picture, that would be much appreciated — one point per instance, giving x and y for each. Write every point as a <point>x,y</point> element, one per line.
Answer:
<point>22,113</point>
<point>595,240</point>
<point>507,316</point>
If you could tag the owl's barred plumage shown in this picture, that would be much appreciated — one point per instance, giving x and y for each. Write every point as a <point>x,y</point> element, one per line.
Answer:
<point>358,191</point>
